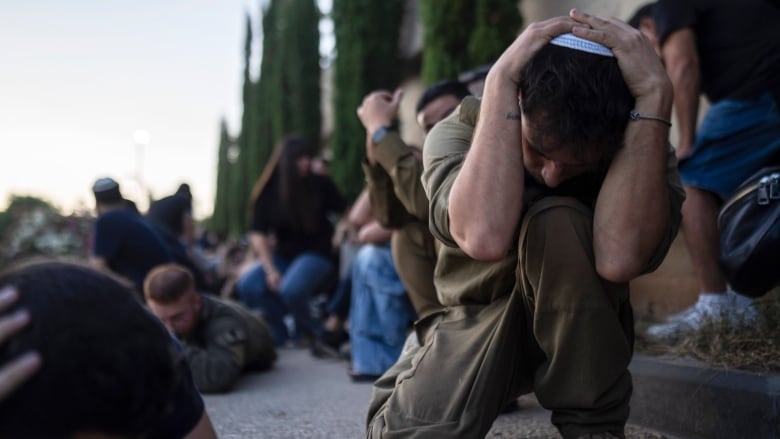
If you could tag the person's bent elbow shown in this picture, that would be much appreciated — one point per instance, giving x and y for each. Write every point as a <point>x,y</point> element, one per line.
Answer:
<point>483,246</point>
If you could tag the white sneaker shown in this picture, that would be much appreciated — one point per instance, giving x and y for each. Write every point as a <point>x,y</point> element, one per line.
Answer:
<point>730,308</point>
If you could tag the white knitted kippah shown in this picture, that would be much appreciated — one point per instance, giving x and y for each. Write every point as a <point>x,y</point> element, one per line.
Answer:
<point>574,42</point>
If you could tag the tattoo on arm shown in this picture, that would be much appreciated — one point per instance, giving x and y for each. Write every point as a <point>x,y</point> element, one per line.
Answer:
<point>512,116</point>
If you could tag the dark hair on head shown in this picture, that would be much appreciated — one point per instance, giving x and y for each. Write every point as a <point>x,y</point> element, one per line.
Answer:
<point>439,89</point>
<point>167,283</point>
<point>109,365</point>
<point>184,189</point>
<point>644,11</point>
<point>576,99</point>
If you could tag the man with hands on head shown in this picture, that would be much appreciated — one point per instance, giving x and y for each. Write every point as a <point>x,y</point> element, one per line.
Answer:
<point>109,368</point>
<point>550,194</point>
<point>393,170</point>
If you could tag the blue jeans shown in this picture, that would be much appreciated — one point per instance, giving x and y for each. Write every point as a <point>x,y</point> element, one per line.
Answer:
<point>380,312</point>
<point>735,140</point>
<point>300,279</point>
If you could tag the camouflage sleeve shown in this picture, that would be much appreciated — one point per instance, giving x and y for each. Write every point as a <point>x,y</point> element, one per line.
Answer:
<point>217,365</point>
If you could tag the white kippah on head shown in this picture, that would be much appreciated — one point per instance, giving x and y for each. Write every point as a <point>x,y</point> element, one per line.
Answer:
<point>574,42</point>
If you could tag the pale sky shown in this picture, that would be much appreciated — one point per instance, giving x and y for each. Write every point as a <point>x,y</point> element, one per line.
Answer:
<point>78,78</point>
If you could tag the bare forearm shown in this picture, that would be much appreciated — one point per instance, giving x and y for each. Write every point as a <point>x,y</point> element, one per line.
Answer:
<point>360,213</point>
<point>682,63</point>
<point>632,210</point>
<point>686,101</point>
<point>491,179</point>
<point>374,233</point>
<point>262,248</point>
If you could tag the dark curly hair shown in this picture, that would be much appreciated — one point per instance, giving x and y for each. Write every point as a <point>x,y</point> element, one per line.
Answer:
<point>109,366</point>
<point>576,99</point>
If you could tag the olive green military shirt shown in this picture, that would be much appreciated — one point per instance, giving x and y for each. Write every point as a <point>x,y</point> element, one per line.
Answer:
<point>227,340</point>
<point>397,197</point>
<point>458,278</point>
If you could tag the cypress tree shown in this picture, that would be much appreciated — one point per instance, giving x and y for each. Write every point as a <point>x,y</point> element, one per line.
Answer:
<point>447,29</point>
<point>462,34</point>
<point>287,94</point>
<point>239,176</point>
<point>300,80</point>
<point>366,59</point>
<point>220,217</point>
<point>268,95</point>
<point>497,24</point>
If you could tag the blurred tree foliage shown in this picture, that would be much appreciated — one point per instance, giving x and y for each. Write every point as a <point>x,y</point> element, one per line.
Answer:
<point>239,176</point>
<point>367,58</point>
<point>460,35</point>
<point>31,227</point>
<point>220,218</point>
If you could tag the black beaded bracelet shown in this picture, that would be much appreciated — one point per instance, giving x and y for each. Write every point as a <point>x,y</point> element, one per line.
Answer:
<point>635,115</point>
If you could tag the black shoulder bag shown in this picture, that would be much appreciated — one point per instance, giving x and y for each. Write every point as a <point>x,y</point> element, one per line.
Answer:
<point>749,224</point>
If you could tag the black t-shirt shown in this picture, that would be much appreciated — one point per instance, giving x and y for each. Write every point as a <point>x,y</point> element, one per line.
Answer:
<point>270,217</point>
<point>129,244</point>
<point>738,43</point>
<point>186,407</point>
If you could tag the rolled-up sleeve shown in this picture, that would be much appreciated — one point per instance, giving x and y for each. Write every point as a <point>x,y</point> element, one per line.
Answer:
<point>445,149</point>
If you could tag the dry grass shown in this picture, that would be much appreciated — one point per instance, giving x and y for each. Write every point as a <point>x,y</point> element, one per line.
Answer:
<point>753,347</point>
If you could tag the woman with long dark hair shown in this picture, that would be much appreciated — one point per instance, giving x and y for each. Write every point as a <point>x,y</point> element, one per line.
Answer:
<point>290,234</point>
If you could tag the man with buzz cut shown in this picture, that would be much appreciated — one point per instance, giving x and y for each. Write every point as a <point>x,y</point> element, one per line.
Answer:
<point>221,338</point>
<point>549,195</point>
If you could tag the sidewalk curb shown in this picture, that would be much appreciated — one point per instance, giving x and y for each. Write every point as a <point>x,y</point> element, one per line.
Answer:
<point>688,399</point>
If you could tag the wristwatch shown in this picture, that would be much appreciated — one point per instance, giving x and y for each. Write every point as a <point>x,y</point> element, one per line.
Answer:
<point>380,133</point>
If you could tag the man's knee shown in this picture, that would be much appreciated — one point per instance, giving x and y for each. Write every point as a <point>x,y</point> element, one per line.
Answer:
<point>554,225</point>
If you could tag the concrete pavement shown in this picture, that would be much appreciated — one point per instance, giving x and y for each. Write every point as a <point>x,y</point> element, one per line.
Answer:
<point>306,397</point>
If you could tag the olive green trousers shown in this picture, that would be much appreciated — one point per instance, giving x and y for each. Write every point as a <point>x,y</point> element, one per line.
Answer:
<point>563,332</point>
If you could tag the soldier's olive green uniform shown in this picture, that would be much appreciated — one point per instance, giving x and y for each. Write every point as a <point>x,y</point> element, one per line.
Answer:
<point>399,202</point>
<point>540,320</point>
<point>227,340</point>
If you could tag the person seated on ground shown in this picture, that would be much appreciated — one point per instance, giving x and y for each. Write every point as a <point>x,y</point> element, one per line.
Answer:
<point>357,228</point>
<point>549,199</point>
<point>393,170</point>
<point>739,135</point>
<point>235,260</point>
<point>221,338</point>
<point>109,369</point>
<point>174,215</point>
<point>291,208</point>
<point>171,217</point>
<point>124,242</point>
<point>380,313</point>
